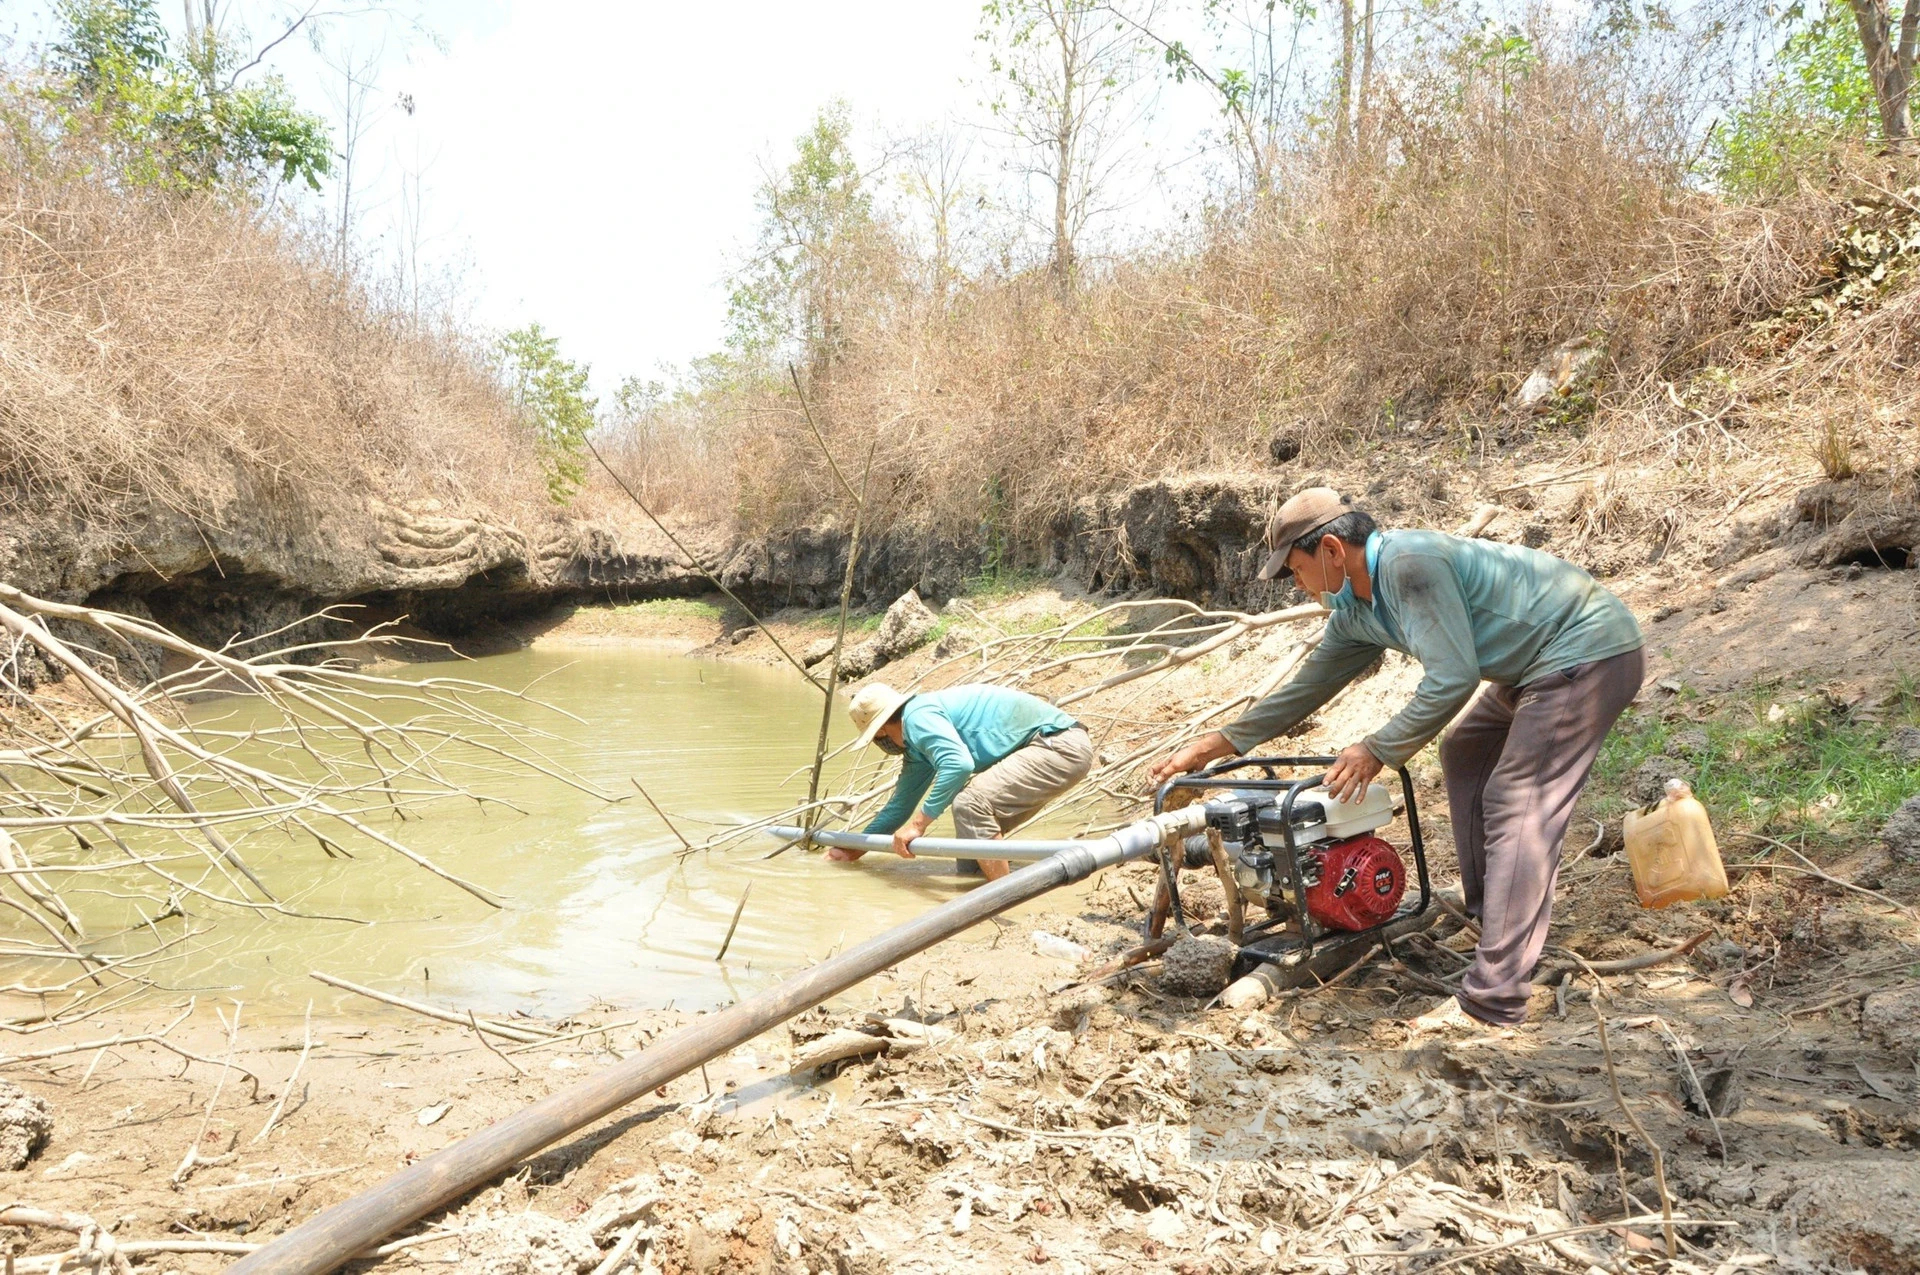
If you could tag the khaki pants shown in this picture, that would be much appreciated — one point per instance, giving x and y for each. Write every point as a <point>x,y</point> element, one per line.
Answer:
<point>1514,766</point>
<point>1011,789</point>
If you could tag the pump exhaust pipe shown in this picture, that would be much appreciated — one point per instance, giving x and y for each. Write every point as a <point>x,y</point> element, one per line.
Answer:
<point>336,1235</point>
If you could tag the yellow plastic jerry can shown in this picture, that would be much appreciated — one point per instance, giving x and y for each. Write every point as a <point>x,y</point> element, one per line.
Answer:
<point>1672,852</point>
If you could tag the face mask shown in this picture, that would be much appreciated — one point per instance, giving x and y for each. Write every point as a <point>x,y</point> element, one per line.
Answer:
<point>1341,600</point>
<point>888,747</point>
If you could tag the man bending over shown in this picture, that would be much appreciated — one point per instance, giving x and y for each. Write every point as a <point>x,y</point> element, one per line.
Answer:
<point>1564,658</point>
<point>994,755</point>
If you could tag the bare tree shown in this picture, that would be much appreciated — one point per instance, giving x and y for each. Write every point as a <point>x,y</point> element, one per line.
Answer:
<point>411,234</point>
<point>1257,42</point>
<point>357,74</point>
<point>1890,58</point>
<point>1365,104</point>
<point>1353,81</point>
<point>1071,73</point>
<point>933,172</point>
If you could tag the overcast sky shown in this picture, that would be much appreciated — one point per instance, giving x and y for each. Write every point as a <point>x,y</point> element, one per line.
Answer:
<point>593,166</point>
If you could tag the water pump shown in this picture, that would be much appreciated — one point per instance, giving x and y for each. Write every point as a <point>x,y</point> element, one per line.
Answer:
<point>1319,867</point>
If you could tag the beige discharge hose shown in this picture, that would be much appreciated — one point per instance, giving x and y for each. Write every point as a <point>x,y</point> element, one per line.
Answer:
<point>334,1236</point>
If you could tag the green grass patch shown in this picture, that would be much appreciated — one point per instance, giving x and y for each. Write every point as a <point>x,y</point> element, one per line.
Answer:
<point>672,609</point>
<point>1776,766</point>
<point>1005,583</point>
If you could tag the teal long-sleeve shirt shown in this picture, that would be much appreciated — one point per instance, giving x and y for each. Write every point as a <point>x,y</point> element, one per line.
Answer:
<point>954,734</point>
<point>1467,610</point>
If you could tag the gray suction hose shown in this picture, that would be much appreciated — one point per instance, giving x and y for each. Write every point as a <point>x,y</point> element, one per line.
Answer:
<point>934,847</point>
<point>334,1236</point>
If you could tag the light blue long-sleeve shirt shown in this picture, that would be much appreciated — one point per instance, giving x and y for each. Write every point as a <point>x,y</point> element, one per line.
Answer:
<point>1467,610</point>
<point>953,735</point>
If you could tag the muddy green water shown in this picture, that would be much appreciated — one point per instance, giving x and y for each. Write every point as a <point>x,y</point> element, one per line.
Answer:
<point>600,906</point>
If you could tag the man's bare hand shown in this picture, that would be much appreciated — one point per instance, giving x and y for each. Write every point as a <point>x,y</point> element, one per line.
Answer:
<point>1351,771</point>
<point>840,854</point>
<point>909,832</point>
<point>1208,748</point>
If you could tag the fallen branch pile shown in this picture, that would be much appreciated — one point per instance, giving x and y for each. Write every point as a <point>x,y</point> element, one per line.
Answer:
<point>166,792</point>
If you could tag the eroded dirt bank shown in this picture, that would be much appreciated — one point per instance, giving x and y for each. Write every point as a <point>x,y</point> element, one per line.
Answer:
<point>1021,1114</point>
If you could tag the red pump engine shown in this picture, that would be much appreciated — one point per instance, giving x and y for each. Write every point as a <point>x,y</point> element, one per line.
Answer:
<point>1357,884</point>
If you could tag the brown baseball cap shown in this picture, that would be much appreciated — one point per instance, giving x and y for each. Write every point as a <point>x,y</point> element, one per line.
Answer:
<point>1303,512</point>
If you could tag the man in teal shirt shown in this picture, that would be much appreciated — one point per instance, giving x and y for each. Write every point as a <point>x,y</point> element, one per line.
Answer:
<point>1023,750</point>
<point>1564,658</point>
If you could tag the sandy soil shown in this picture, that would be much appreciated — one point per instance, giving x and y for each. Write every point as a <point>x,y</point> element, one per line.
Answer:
<point>1055,1124</point>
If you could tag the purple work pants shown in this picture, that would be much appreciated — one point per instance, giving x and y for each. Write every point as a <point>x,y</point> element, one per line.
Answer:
<point>1514,766</point>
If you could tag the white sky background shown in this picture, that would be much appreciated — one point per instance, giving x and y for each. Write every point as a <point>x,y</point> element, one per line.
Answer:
<point>593,166</point>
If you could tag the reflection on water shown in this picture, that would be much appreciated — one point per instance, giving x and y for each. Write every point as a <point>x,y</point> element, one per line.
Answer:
<point>600,904</point>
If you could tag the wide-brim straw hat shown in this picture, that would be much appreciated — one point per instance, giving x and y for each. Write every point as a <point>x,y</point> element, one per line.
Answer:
<point>872,706</point>
<point>1303,512</point>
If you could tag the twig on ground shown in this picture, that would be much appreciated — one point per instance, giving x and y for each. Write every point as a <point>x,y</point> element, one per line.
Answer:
<point>1624,964</point>
<point>1814,870</point>
<point>1837,1001</point>
<point>583,1032</point>
<point>1653,1148</point>
<point>193,1159</point>
<point>1693,1079</point>
<point>490,1047</point>
<point>622,1250</point>
<point>1126,960</point>
<point>1300,993</point>
<point>306,1047</point>
<point>522,1035</point>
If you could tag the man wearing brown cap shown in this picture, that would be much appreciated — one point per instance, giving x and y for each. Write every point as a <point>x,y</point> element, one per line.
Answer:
<point>1564,658</point>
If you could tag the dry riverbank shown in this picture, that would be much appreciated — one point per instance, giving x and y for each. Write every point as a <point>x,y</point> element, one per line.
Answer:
<point>1122,1125</point>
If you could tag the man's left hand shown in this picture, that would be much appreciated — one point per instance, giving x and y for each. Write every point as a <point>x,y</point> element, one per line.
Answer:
<point>908,833</point>
<point>1347,778</point>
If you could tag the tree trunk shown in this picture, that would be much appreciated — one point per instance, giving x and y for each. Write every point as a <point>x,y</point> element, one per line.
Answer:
<point>1062,235</point>
<point>1890,64</point>
<point>1366,72</point>
<point>1063,156</point>
<point>1343,130</point>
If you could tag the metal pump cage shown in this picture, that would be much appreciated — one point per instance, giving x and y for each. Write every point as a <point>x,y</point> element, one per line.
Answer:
<point>1216,776</point>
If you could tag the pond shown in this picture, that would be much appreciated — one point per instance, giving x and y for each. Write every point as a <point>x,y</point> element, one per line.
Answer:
<point>601,906</point>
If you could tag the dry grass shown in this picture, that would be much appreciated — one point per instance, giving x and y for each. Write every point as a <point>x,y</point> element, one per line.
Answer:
<point>198,353</point>
<point>1398,296</point>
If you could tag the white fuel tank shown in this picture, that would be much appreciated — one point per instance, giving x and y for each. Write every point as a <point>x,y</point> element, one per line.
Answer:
<point>1318,817</point>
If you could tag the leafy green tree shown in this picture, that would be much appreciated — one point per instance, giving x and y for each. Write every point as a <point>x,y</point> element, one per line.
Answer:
<point>551,393</point>
<point>1820,90</point>
<point>820,252</point>
<point>182,121</point>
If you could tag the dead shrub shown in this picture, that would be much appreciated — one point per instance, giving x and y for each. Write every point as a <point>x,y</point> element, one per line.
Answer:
<point>194,351</point>
<point>1834,449</point>
<point>1406,287</point>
